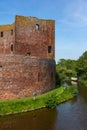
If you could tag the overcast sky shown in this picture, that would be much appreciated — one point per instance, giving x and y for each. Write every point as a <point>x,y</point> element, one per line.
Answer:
<point>70,17</point>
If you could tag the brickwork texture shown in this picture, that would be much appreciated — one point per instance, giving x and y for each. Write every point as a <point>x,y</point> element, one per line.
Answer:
<point>27,57</point>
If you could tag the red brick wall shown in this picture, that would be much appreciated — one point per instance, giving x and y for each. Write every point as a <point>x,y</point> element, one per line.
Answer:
<point>7,39</point>
<point>21,76</point>
<point>32,40</point>
<point>31,67</point>
<point>26,39</point>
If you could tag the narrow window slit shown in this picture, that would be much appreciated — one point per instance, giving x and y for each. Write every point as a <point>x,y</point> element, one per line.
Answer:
<point>11,32</point>
<point>49,49</point>
<point>1,34</point>
<point>12,47</point>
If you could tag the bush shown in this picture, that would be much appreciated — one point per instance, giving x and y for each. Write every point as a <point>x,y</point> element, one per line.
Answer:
<point>51,101</point>
<point>58,80</point>
<point>83,82</point>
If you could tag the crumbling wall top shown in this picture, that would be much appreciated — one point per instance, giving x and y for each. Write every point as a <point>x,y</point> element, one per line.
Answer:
<point>7,27</point>
<point>25,21</point>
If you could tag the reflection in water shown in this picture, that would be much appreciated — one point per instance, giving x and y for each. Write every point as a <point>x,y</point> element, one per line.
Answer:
<point>43,119</point>
<point>71,115</point>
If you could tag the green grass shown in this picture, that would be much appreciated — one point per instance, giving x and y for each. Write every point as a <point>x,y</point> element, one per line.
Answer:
<point>24,104</point>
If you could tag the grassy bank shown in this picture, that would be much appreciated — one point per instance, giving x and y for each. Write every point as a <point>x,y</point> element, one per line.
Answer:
<point>27,104</point>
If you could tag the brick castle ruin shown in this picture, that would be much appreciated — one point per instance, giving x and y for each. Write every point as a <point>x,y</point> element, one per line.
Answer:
<point>27,64</point>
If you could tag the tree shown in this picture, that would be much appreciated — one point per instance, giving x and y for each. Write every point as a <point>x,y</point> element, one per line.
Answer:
<point>82,67</point>
<point>66,69</point>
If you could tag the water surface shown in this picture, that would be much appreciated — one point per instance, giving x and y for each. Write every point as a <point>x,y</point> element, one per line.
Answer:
<point>71,115</point>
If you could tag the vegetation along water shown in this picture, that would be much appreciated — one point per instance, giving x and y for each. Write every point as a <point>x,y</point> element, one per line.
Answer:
<point>66,69</point>
<point>50,99</point>
<point>71,115</point>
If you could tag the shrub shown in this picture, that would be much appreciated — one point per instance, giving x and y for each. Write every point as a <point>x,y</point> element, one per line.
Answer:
<point>51,101</point>
<point>83,82</point>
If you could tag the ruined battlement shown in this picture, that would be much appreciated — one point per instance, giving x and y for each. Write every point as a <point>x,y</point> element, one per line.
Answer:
<point>28,36</point>
<point>8,27</point>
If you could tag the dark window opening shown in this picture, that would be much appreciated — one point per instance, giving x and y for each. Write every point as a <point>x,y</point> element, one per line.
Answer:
<point>28,53</point>
<point>1,34</point>
<point>11,32</point>
<point>0,66</point>
<point>37,26</point>
<point>49,49</point>
<point>11,47</point>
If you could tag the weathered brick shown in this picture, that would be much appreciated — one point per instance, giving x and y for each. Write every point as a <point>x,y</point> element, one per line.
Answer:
<point>27,62</point>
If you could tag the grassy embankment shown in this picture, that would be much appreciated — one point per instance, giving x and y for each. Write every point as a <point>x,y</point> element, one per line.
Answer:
<point>27,104</point>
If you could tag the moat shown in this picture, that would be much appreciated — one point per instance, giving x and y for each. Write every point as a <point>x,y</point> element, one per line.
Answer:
<point>71,115</point>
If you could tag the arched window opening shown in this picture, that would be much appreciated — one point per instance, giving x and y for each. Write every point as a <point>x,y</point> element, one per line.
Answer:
<point>11,47</point>
<point>37,26</point>
<point>1,34</point>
